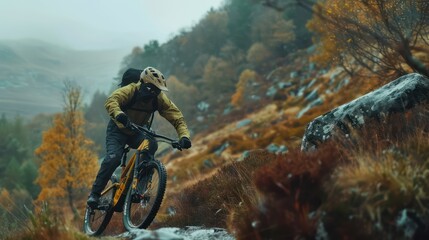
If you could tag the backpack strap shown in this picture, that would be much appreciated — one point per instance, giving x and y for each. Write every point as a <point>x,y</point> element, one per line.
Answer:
<point>155,108</point>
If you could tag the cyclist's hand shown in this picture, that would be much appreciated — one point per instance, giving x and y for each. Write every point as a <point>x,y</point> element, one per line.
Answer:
<point>123,119</point>
<point>185,142</point>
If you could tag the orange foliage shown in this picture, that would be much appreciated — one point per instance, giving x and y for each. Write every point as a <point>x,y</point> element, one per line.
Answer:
<point>68,164</point>
<point>5,200</point>
<point>371,32</point>
<point>329,47</point>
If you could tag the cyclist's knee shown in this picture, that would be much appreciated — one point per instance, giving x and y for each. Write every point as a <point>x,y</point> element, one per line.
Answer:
<point>112,159</point>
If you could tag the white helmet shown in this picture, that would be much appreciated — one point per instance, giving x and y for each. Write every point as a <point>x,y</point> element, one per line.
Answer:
<point>154,76</point>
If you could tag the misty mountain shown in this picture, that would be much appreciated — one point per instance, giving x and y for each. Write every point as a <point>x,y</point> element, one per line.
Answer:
<point>32,73</point>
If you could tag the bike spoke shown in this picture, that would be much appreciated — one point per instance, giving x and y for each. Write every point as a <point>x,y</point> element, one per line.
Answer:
<point>99,217</point>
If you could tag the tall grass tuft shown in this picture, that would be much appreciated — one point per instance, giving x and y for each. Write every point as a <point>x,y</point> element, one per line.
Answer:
<point>387,174</point>
<point>13,213</point>
<point>44,224</point>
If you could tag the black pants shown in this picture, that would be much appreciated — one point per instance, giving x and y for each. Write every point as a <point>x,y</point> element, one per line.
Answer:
<point>115,143</point>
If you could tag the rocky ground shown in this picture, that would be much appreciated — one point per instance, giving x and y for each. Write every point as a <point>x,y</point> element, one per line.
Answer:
<point>187,233</point>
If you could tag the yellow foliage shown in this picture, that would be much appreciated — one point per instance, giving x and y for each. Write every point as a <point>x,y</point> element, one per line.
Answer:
<point>246,76</point>
<point>219,75</point>
<point>258,53</point>
<point>179,89</point>
<point>183,95</point>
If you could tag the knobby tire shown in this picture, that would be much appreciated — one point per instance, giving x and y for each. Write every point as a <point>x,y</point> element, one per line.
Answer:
<point>141,214</point>
<point>97,217</point>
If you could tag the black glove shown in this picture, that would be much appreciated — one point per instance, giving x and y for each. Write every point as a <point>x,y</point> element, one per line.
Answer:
<point>123,118</point>
<point>185,142</point>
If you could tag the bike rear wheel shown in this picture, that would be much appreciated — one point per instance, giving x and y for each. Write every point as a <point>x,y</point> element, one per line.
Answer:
<point>141,206</point>
<point>96,220</point>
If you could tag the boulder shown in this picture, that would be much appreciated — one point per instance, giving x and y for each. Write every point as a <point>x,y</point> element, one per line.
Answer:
<point>399,95</point>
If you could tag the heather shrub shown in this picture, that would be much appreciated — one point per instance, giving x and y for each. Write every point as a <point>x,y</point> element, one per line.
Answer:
<point>291,190</point>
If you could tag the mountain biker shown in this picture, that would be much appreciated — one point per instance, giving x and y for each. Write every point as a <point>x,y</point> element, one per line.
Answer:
<point>135,103</point>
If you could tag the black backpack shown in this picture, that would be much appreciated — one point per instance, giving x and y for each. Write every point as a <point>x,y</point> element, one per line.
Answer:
<point>131,75</point>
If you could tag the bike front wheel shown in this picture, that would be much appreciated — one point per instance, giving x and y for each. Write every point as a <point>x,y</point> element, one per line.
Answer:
<point>96,219</point>
<point>142,203</point>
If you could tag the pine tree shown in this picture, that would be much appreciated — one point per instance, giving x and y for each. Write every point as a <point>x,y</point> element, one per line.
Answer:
<point>68,163</point>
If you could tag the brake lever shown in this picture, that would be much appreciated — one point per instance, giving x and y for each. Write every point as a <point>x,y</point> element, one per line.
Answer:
<point>176,145</point>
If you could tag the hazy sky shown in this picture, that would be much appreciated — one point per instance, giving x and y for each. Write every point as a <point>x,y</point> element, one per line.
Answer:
<point>100,24</point>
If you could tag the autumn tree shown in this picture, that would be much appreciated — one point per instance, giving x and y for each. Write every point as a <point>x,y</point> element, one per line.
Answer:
<point>219,78</point>
<point>258,54</point>
<point>382,36</point>
<point>386,37</point>
<point>184,96</point>
<point>246,77</point>
<point>271,29</point>
<point>68,163</point>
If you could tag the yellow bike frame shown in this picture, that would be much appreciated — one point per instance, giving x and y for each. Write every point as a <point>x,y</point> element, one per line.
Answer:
<point>126,175</point>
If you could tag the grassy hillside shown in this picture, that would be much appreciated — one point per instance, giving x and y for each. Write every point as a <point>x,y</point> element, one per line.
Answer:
<point>32,74</point>
<point>247,100</point>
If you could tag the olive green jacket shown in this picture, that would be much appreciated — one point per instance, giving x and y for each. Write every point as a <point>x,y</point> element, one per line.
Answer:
<point>140,112</point>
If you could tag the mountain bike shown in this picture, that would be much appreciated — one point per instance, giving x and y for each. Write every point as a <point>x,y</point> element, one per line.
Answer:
<point>138,192</point>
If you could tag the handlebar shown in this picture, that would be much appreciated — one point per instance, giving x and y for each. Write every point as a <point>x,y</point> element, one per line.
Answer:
<point>174,143</point>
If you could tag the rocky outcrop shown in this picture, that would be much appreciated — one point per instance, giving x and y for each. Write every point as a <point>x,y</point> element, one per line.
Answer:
<point>397,96</point>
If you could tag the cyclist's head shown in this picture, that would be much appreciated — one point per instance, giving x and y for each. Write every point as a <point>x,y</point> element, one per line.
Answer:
<point>155,77</point>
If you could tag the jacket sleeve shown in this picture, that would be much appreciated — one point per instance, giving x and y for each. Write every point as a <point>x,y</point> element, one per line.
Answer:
<point>169,111</point>
<point>119,98</point>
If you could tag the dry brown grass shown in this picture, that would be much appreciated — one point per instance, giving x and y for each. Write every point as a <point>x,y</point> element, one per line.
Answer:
<point>209,201</point>
<point>44,224</point>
